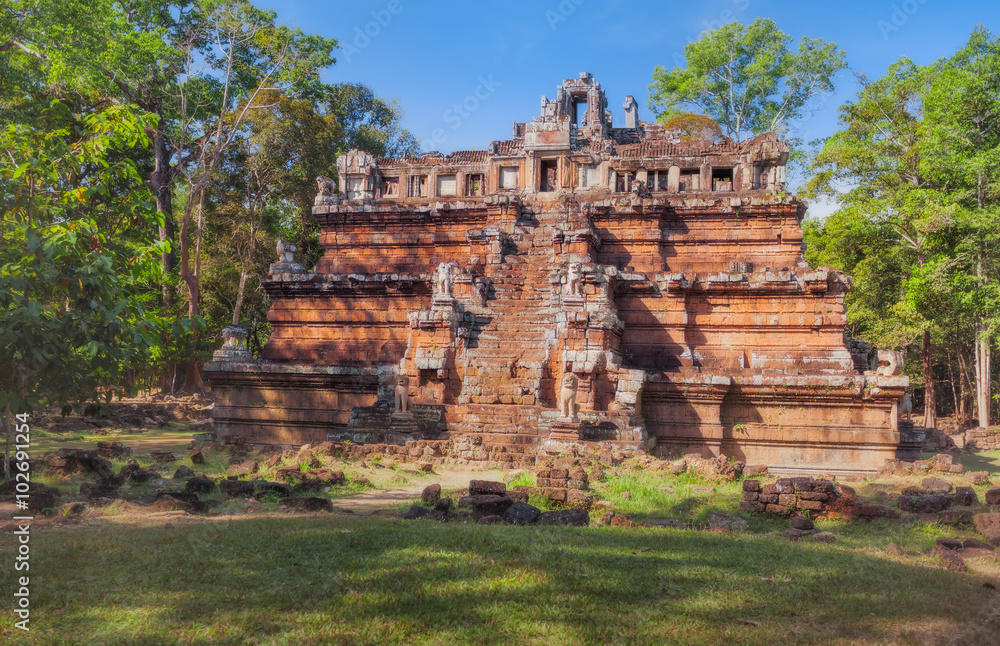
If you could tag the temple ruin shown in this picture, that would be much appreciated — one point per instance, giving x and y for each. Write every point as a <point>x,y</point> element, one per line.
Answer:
<point>577,285</point>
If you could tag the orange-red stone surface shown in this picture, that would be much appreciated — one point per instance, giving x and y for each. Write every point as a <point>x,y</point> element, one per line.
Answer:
<point>667,277</point>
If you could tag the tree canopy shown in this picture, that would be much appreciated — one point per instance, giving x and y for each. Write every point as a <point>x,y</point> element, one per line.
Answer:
<point>214,119</point>
<point>746,78</point>
<point>914,169</point>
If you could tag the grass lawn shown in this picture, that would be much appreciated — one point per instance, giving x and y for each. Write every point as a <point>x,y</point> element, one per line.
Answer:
<point>173,437</point>
<point>126,575</point>
<point>982,461</point>
<point>341,579</point>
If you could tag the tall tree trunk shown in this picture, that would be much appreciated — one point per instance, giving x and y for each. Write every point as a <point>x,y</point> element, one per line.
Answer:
<point>237,309</point>
<point>983,376</point>
<point>954,388</point>
<point>982,359</point>
<point>245,270</point>
<point>930,398</point>
<point>161,181</point>
<point>965,386</point>
<point>192,374</point>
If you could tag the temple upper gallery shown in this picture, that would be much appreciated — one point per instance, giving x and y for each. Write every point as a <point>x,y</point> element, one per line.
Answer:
<point>580,283</point>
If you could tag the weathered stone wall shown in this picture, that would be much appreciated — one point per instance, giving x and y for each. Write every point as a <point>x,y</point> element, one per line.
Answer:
<point>982,439</point>
<point>664,280</point>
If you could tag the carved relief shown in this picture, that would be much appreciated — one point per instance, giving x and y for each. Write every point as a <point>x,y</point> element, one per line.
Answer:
<point>286,251</point>
<point>234,347</point>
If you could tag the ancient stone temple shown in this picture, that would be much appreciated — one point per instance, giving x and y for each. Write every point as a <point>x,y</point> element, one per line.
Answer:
<point>578,283</point>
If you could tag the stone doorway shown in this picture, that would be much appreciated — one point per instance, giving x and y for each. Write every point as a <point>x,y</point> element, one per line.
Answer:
<point>550,175</point>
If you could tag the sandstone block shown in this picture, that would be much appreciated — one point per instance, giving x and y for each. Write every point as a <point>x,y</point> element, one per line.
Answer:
<point>965,496</point>
<point>779,510</point>
<point>487,488</point>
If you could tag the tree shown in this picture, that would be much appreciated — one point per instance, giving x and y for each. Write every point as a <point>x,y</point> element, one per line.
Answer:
<point>72,317</point>
<point>746,79</point>
<point>694,127</point>
<point>962,148</point>
<point>251,55</point>
<point>215,74</point>
<point>890,203</point>
<point>914,169</point>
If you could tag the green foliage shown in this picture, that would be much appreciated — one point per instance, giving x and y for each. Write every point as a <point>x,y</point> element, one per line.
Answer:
<point>914,167</point>
<point>746,78</point>
<point>694,127</point>
<point>72,316</point>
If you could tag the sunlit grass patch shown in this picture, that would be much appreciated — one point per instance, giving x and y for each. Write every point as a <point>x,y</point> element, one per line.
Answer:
<point>339,579</point>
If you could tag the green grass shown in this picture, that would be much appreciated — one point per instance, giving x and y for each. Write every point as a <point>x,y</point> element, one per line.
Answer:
<point>982,461</point>
<point>174,436</point>
<point>337,579</point>
<point>269,578</point>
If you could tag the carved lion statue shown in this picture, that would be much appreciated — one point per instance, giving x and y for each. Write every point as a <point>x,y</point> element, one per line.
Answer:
<point>573,280</point>
<point>402,398</point>
<point>567,396</point>
<point>638,188</point>
<point>905,406</point>
<point>442,281</point>
<point>325,186</point>
<point>890,363</point>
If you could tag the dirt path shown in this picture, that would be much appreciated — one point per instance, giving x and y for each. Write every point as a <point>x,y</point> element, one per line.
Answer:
<point>370,501</point>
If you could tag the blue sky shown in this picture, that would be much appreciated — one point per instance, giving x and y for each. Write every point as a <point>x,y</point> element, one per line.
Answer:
<point>498,58</point>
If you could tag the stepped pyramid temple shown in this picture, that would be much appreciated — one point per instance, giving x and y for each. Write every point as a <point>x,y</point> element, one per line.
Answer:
<point>579,285</point>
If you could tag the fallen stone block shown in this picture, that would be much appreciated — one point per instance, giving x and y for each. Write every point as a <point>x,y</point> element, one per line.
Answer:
<point>488,505</point>
<point>237,488</point>
<point>965,496</point>
<point>163,457</point>
<point>949,559</point>
<point>431,493</point>
<point>487,488</point>
<point>521,513</point>
<point>200,485</point>
<point>922,504</point>
<point>306,503</point>
<point>936,485</point>
<point>728,521</point>
<point>93,490</point>
<point>956,517</point>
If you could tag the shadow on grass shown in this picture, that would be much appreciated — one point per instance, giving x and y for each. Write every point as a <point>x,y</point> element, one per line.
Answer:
<point>983,461</point>
<point>335,579</point>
